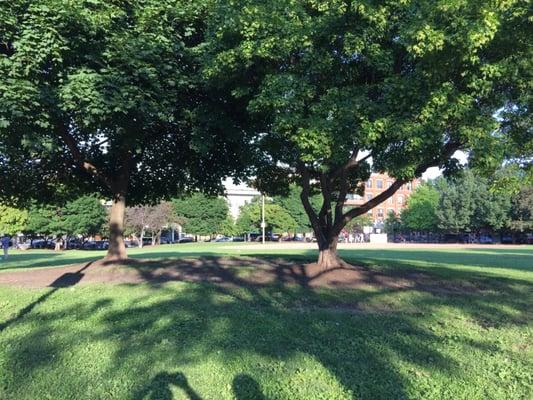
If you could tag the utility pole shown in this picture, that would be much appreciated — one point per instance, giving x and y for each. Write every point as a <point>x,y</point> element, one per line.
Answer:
<point>263,224</point>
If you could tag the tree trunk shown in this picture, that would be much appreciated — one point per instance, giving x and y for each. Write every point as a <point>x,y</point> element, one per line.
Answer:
<point>117,248</point>
<point>328,257</point>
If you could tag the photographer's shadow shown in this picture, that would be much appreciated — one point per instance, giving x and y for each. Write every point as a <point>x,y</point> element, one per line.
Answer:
<point>160,387</point>
<point>246,388</point>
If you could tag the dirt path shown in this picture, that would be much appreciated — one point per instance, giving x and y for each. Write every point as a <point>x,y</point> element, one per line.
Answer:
<point>230,272</point>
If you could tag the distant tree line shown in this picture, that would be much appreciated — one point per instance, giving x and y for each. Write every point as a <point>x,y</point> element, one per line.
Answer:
<point>468,203</point>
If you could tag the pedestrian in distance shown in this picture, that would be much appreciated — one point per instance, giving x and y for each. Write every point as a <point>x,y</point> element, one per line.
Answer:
<point>5,245</point>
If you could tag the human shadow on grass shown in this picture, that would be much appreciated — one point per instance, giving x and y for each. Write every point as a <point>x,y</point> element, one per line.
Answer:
<point>66,280</point>
<point>160,387</point>
<point>278,315</point>
<point>246,388</point>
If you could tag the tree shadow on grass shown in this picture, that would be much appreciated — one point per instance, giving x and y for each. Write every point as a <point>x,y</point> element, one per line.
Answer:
<point>281,318</point>
<point>66,280</point>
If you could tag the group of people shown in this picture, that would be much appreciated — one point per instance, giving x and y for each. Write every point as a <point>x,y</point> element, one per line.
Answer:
<point>4,242</point>
<point>352,237</point>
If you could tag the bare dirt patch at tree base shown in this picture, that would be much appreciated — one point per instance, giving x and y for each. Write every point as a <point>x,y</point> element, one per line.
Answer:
<point>227,271</point>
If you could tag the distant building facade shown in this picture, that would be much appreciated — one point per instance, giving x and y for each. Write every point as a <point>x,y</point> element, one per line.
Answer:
<point>376,184</point>
<point>238,195</point>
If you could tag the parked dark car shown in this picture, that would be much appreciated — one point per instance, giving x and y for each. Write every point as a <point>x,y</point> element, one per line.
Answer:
<point>507,239</point>
<point>131,243</point>
<point>74,243</point>
<point>238,239</point>
<point>223,239</point>
<point>186,240</point>
<point>42,243</point>
<point>269,238</point>
<point>485,239</point>
<point>102,244</point>
<point>89,245</point>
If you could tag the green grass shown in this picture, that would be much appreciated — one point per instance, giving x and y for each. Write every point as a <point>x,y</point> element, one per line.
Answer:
<point>201,341</point>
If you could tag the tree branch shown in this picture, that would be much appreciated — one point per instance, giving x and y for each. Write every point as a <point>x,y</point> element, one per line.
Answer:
<point>304,196</point>
<point>351,163</point>
<point>79,159</point>
<point>341,221</point>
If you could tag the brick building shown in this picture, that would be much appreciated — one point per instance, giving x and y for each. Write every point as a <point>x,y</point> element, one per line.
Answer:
<point>374,186</point>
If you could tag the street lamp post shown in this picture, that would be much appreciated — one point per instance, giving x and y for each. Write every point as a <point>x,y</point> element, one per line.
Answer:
<point>263,224</point>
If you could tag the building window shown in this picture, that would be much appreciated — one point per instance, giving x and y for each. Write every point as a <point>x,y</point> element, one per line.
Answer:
<point>390,200</point>
<point>380,212</point>
<point>409,186</point>
<point>400,199</point>
<point>369,183</point>
<point>369,197</point>
<point>379,184</point>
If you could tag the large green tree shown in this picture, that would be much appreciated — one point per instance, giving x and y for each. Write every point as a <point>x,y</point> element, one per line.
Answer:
<point>466,203</point>
<point>277,219</point>
<point>103,96</point>
<point>202,214</point>
<point>45,220</point>
<point>335,84</point>
<point>12,220</point>
<point>420,214</point>
<point>522,210</point>
<point>291,202</point>
<point>84,216</point>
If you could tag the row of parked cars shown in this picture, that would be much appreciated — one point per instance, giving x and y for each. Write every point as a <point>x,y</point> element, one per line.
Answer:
<point>45,243</point>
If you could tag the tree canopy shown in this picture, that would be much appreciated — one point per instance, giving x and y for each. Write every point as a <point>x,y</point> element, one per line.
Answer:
<point>467,204</point>
<point>277,219</point>
<point>291,202</point>
<point>333,84</point>
<point>85,216</point>
<point>420,214</point>
<point>104,96</point>
<point>202,215</point>
<point>12,220</point>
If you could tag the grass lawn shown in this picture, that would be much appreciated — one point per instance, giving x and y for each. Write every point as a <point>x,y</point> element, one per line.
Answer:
<point>185,340</point>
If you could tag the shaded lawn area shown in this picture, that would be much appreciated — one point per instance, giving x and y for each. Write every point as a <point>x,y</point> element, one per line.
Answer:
<point>186,340</point>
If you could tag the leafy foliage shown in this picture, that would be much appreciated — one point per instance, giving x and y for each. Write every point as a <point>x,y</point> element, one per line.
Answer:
<point>12,220</point>
<point>333,83</point>
<point>277,219</point>
<point>393,223</point>
<point>45,220</point>
<point>421,211</point>
<point>85,216</point>
<point>104,96</point>
<point>202,214</point>
<point>522,210</point>
<point>467,204</point>
<point>358,223</point>
<point>293,205</point>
